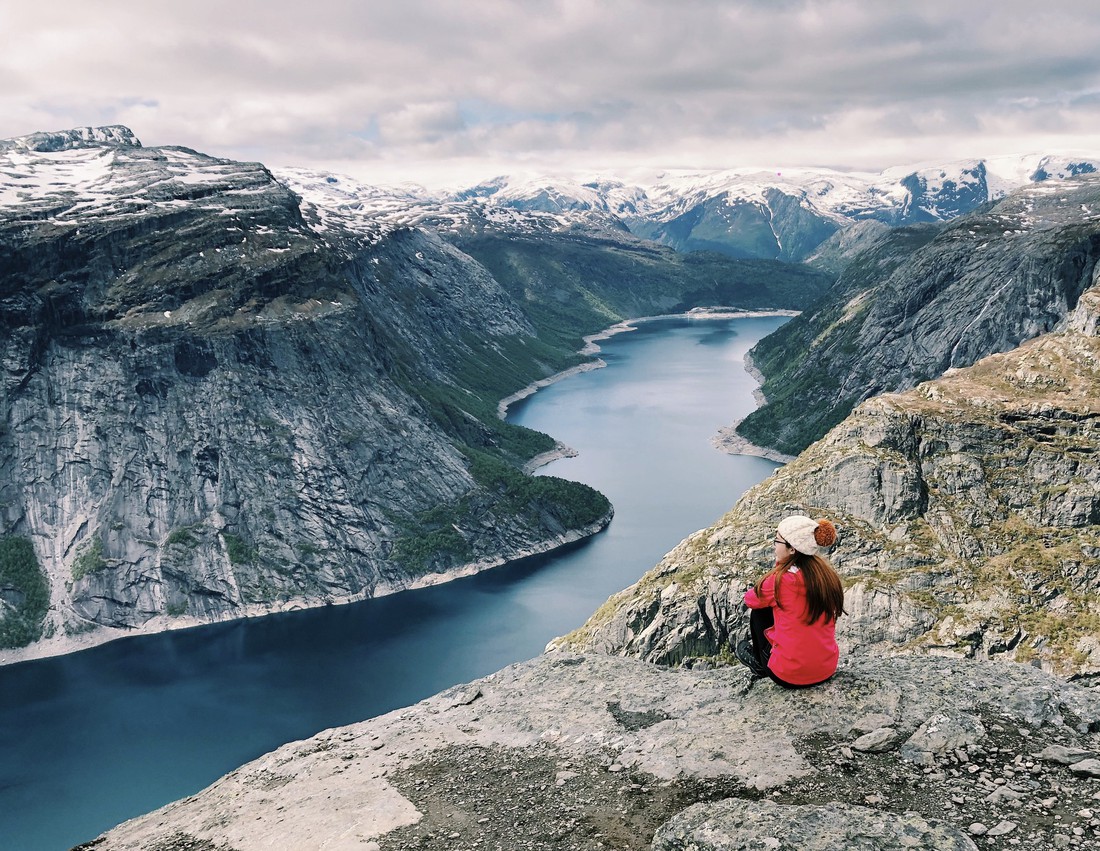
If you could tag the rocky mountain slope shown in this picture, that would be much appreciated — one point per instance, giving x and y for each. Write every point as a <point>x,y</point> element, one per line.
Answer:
<point>223,398</point>
<point>914,302</point>
<point>969,518</point>
<point>211,409</point>
<point>591,752</point>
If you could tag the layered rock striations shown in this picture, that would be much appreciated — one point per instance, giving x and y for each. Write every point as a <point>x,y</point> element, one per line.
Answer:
<point>213,407</point>
<point>918,302</point>
<point>589,752</point>
<point>969,517</point>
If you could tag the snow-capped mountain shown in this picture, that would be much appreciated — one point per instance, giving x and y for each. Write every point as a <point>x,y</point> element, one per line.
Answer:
<point>64,140</point>
<point>740,212</point>
<point>782,215</point>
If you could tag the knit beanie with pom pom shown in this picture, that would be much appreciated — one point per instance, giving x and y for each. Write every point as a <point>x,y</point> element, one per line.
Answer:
<point>807,535</point>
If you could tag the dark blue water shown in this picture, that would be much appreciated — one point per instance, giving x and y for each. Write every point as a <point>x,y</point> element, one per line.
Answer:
<point>91,739</point>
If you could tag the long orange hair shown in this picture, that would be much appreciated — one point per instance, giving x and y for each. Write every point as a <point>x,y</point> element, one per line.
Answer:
<point>824,591</point>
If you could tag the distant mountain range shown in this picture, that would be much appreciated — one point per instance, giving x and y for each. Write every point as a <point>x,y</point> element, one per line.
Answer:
<point>741,213</point>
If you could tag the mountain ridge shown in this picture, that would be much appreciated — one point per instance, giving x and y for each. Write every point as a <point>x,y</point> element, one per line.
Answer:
<point>171,323</point>
<point>220,399</point>
<point>926,298</point>
<point>745,213</point>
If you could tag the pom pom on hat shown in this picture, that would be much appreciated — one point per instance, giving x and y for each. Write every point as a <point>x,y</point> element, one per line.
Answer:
<point>825,533</point>
<point>807,535</point>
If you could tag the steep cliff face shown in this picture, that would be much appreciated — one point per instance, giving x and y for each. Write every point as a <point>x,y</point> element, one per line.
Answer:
<point>969,517</point>
<point>212,408</point>
<point>985,283</point>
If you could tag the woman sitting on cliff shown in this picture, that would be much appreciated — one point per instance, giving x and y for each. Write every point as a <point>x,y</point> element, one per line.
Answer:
<point>794,609</point>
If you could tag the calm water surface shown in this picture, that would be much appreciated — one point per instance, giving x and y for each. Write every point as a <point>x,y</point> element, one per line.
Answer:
<point>91,739</point>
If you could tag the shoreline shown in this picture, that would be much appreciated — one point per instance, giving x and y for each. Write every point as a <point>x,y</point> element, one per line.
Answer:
<point>591,348</point>
<point>729,441</point>
<point>725,441</point>
<point>64,645</point>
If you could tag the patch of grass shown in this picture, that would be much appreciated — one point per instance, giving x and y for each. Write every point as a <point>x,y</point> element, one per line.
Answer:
<point>89,560</point>
<point>21,573</point>
<point>435,549</point>
<point>435,539</point>
<point>573,504</point>
<point>182,537</point>
<point>238,549</point>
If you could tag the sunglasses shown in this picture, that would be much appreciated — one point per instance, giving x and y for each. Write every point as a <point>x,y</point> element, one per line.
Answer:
<point>780,541</point>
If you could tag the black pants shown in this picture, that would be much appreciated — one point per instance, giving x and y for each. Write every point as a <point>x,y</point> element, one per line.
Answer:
<point>760,620</point>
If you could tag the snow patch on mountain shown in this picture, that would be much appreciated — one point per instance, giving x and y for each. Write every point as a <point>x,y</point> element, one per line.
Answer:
<point>101,174</point>
<point>93,169</point>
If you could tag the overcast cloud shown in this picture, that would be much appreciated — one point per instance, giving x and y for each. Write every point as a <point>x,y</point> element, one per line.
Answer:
<point>427,89</point>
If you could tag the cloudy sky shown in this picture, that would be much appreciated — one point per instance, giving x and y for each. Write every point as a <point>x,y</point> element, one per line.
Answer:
<point>441,91</point>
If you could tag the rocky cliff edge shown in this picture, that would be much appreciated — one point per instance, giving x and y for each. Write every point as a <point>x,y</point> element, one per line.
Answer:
<point>589,752</point>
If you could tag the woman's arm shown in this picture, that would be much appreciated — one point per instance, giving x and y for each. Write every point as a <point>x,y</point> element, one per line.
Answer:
<point>765,598</point>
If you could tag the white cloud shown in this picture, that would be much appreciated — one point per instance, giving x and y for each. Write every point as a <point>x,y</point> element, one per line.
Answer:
<point>858,83</point>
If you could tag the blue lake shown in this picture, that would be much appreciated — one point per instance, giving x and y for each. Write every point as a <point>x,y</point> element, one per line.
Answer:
<point>94,738</point>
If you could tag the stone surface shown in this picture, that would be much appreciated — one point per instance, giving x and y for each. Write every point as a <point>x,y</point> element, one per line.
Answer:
<point>736,825</point>
<point>876,741</point>
<point>577,752</point>
<point>1086,768</point>
<point>943,732</point>
<point>1063,755</point>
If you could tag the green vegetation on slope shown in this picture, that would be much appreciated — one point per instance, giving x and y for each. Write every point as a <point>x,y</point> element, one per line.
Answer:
<point>806,366</point>
<point>572,504</point>
<point>567,287</point>
<point>437,539</point>
<point>572,286</point>
<point>24,588</point>
<point>89,560</point>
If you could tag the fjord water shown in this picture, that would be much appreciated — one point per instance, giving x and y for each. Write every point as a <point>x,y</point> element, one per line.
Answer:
<point>91,739</point>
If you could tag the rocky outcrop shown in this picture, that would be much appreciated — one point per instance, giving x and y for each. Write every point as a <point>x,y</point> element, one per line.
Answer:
<point>212,407</point>
<point>587,752</point>
<point>67,140</point>
<point>969,517</point>
<point>987,282</point>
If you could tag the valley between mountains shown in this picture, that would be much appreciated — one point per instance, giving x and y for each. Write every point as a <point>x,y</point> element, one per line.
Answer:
<point>221,402</point>
<point>228,391</point>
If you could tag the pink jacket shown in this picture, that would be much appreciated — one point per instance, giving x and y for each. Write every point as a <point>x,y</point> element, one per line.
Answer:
<point>802,653</point>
